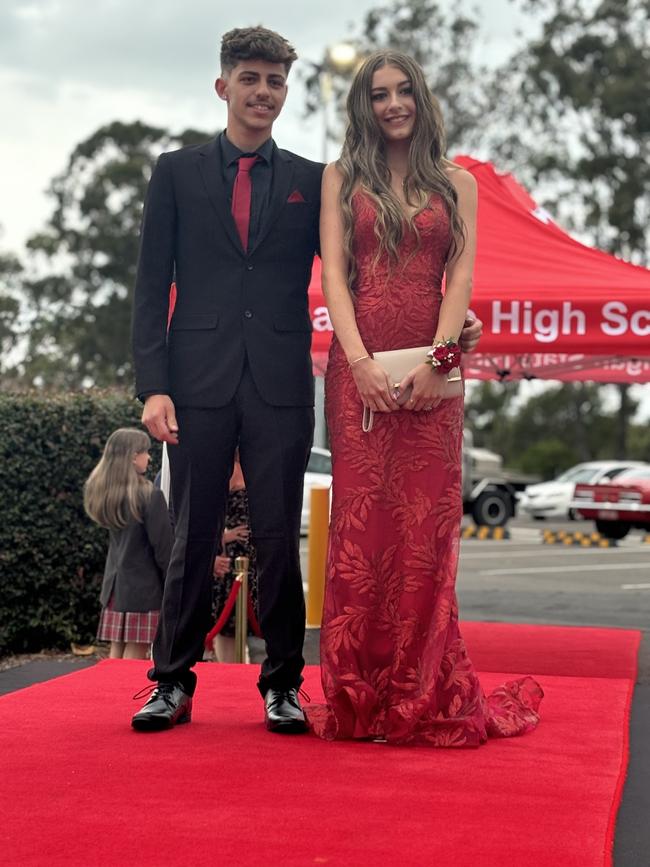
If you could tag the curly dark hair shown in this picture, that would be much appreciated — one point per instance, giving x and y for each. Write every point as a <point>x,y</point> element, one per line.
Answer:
<point>255,43</point>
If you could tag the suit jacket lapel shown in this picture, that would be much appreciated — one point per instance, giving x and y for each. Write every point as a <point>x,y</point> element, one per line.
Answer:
<point>211,171</point>
<point>283,170</point>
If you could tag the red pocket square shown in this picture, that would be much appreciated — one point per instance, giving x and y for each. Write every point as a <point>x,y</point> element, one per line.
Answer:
<point>296,196</point>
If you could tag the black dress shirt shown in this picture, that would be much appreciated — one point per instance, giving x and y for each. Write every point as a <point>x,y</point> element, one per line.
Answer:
<point>261,179</point>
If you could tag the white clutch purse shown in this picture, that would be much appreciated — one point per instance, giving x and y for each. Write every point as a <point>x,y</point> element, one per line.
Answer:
<point>397,363</point>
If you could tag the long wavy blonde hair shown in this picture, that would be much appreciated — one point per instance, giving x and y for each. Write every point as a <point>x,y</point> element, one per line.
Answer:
<point>363,161</point>
<point>115,492</point>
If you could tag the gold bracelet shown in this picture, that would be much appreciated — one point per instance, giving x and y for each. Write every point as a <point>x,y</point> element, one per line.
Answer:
<point>360,358</point>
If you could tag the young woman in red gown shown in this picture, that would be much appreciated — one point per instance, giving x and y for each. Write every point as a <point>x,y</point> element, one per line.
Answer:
<point>397,217</point>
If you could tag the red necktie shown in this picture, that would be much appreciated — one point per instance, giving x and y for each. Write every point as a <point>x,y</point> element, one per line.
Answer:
<point>241,198</point>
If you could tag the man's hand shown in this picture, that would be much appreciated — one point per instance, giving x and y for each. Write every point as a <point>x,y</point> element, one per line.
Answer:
<point>159,418</point>
<point>471,334</point>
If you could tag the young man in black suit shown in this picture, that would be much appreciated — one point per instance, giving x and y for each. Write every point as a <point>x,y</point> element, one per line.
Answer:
<point>235,224</point>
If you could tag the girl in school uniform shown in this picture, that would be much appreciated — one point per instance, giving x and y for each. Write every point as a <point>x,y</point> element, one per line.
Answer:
<point>119,497</point>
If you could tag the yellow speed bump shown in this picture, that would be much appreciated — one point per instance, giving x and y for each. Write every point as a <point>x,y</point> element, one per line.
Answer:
<point>484,532</point>
<point>593,540</point>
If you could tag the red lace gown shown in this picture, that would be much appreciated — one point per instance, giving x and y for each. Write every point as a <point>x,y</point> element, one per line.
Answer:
<point>394,665</point>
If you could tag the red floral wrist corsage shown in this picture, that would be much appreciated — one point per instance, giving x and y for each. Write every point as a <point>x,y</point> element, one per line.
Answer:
<point>444,356</point>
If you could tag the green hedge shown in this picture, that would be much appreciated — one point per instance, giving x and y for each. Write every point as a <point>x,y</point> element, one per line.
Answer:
<point>51,554</point>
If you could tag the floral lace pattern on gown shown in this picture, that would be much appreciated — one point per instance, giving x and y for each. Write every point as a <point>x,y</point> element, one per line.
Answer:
<point>393,662</point>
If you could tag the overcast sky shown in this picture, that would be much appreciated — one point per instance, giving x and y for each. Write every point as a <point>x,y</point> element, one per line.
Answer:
<point>69,66</point>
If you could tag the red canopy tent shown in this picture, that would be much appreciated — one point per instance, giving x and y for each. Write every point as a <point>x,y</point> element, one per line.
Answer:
<point>551,307</point>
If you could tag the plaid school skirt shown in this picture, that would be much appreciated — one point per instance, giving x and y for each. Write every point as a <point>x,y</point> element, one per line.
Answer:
<point>131,626</point>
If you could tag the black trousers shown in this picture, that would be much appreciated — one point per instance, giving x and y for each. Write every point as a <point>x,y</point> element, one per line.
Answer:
<point>274,445</point>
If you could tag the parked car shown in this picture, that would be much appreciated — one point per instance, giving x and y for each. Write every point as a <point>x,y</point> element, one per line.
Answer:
<point>318,475</point>
<point>553,499</point>
<point>618,506</point>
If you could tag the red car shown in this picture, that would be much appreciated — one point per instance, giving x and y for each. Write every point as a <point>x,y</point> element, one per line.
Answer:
<point>618,506</point>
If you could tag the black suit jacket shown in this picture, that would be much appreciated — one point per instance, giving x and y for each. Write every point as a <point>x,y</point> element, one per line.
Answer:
<point>231,304</point>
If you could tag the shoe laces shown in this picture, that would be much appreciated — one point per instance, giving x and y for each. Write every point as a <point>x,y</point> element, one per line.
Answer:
<point>146,690</point>
<point>289,695</point>
<point>292,696</point>
<point>156,690</point>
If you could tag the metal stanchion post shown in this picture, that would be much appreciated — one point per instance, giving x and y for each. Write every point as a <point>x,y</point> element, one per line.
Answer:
<point>317,541</point>
<point>241,608</point>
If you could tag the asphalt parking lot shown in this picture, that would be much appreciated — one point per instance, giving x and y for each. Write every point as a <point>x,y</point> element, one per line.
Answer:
<point>523,580</point>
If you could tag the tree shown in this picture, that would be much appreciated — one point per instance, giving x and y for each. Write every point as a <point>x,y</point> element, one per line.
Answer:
<point>577,115</point>
<point>82,267</point>
<point>573,414</point>
<point>440,39</point>
<point>489,410</point>
<point>10,309</point>
<point>551,431</point>
<point>574,118</point>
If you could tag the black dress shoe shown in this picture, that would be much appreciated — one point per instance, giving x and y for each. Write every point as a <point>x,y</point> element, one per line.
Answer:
<point>167,706</point>
<point>282,712</point>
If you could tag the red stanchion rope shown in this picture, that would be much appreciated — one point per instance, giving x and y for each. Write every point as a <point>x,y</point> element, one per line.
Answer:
<point>225,614</point>
<point>252,618</point>
<point>227,611</point>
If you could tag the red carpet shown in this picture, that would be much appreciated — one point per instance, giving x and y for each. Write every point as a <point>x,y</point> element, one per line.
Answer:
<point>576,651</point>
<point>78,787</point>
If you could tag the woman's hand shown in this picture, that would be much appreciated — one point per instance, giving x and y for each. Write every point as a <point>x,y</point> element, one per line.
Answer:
<point>375,387</point>
<point>236,534</point>
<point>221,566</point>
<point>428,388</point>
